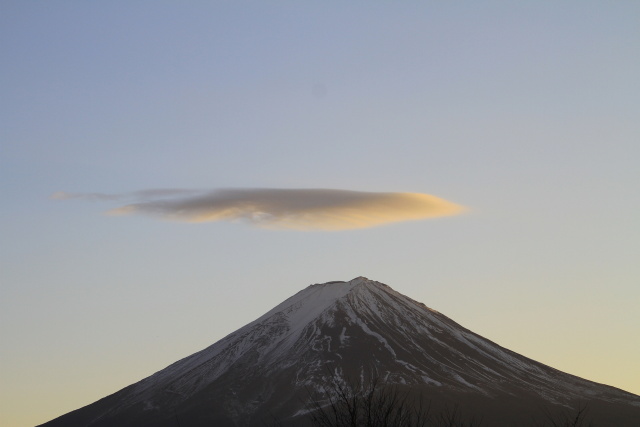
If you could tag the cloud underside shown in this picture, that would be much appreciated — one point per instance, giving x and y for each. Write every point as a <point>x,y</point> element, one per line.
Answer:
<point>297,209</point>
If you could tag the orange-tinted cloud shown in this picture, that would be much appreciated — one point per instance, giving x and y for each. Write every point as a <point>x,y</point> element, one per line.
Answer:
<point>297,209</point>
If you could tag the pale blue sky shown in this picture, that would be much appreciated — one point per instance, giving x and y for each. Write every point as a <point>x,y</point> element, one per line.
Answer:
<point>528,114</point>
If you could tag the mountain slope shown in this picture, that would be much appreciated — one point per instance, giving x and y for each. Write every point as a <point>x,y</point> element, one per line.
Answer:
<point>356,330</point>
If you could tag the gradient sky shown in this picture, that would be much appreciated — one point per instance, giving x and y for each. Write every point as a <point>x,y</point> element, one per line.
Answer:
<point>527,113</point>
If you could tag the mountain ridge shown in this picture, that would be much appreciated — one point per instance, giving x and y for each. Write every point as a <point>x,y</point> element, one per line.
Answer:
<point>359,329</point>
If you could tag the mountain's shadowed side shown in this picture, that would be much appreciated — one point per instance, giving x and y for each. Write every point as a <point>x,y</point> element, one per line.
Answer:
<point>356,331</point>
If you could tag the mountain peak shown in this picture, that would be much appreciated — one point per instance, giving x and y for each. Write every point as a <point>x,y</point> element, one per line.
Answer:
<point>358,280</point>
<point>336,331</point>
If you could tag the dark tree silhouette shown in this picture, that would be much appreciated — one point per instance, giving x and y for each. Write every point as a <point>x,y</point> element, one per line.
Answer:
<point>567,418</point>
<point>353,404</point>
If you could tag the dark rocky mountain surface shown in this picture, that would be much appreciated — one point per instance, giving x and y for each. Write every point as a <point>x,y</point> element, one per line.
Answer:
<point>356,331</point>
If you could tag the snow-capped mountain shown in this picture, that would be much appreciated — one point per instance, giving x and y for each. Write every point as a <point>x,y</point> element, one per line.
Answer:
<point>356,331</point>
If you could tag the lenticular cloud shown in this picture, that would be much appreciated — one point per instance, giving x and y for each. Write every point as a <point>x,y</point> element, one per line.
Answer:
<point>297,209</point>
